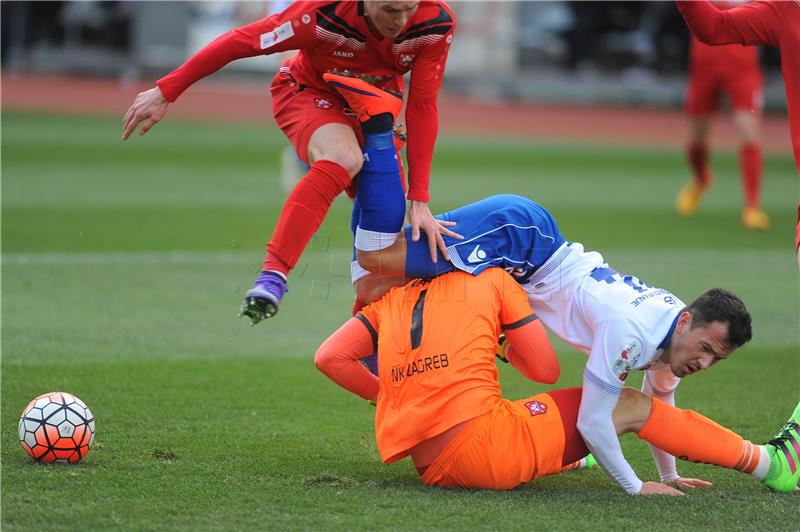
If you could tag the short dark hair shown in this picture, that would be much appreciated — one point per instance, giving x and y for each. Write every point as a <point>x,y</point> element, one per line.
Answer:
<point>722,305</point>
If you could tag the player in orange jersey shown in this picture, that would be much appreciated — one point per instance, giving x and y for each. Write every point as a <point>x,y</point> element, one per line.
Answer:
<point>375,40</point>
<point>438,395</point>
<point>732,70</point>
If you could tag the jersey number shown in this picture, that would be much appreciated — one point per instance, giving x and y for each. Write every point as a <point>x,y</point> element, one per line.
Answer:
<point>610,275</point>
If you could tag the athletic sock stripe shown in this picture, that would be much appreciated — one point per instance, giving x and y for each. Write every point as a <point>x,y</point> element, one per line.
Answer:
<point>744,456</point>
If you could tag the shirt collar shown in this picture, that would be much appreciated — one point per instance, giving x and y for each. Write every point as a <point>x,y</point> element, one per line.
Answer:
<point>665,342</point>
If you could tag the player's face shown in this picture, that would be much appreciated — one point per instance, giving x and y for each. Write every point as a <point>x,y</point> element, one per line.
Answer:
<point>694,350</point>
<point>389,18</point>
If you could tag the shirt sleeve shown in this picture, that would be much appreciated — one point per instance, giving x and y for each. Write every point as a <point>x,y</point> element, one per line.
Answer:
<point>422,114</point>
<point>661,383</point>
<point>370,316</point>
<point>338,358</point>
<point>292,29</point>
<point>615,350</point>
<point>754,23</point>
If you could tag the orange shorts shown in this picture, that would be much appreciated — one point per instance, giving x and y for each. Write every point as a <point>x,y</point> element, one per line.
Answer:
<point>299,111</point>
<point>514,443</point>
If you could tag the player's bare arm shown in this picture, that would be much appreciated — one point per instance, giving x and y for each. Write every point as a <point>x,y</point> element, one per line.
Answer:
<point>147,109</point>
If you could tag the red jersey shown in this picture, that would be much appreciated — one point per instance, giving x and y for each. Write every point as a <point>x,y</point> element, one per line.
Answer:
<point>774,23</point>
<point>735,59</point>
<point>336,35</point>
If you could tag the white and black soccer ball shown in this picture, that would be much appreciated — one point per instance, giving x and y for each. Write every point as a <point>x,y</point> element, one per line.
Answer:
<point>56,427</point>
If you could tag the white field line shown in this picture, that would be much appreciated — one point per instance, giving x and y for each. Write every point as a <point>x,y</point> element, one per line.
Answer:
<point>144,257</point>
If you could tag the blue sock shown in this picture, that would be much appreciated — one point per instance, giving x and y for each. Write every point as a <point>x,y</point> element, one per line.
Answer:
<point>380,192</point>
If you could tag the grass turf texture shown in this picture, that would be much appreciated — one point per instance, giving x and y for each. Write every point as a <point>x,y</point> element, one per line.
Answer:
<point>123,269</point>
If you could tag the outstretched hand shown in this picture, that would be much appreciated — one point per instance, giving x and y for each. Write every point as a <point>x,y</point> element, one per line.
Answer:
<point>657,488</point>
<point>148,108</point>
<point>421,218</point>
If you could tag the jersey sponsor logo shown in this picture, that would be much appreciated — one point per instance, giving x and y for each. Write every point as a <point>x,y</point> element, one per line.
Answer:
<point>340,53</point>
<point>419,366</point>
<point>278,35</point>
<point>536,408</point>
<point>323,103</point>
<point>405,60</point>
<point>627,359</point>
<point>477,255</point>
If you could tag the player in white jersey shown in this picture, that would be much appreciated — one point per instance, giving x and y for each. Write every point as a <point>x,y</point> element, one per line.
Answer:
<point>622,323</point>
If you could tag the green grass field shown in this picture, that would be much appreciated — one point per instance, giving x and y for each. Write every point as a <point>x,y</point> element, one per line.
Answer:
<point>124,265</point>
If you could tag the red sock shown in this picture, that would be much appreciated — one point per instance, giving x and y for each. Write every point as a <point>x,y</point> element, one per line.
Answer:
<point>698,160</point>
<point>750,161</point>
<point>303,213</point>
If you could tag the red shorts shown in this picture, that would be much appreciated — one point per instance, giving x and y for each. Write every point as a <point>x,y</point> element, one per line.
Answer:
<point>299,111</point>
<point>742,88</point>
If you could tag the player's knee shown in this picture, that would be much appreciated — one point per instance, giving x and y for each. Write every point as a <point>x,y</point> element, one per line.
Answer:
<point>632,410</point>
<point>348,157</point>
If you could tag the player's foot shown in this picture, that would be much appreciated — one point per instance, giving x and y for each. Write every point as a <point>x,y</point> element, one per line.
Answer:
<point>589,462</point>
<point>755,219</point>
<point>689,197</point>
<point>263,300</point>
<point>784,456</point>
<point>364,99</point>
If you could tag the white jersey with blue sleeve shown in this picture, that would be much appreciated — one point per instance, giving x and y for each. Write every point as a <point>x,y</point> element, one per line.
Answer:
<point>622,323</point>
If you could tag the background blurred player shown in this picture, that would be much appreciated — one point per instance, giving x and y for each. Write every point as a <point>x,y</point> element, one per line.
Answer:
<point>732,70</point>
<point>381,40</point>
<point>621,322</point>
<point>775,24</point>
<point>439,401</point>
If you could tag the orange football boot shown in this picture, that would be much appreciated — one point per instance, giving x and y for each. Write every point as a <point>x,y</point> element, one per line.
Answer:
<point>364,99</point>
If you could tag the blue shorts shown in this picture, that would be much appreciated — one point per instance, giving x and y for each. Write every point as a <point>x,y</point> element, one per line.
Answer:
<point>506,230</point>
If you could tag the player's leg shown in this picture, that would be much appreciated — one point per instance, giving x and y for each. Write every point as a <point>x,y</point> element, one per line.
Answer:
<point>380,193</point>
<point>745,95</point>
<point>693,437</point>
<point>701,102</point>
<point>328,139</point>
<point>505,230</point>
<point>335,158</point>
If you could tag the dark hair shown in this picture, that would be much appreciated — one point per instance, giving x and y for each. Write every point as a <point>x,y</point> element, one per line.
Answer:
<point>719,304</point>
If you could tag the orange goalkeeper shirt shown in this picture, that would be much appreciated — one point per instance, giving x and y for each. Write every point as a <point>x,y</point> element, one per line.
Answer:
<point>436,345</point>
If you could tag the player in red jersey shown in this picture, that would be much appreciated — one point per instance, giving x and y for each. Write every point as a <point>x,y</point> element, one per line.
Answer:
<point>378,40</point>
<point>733,70</point>
<point>775,24</point>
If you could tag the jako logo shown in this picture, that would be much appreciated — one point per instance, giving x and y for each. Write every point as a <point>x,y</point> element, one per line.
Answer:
<point>339,53</point>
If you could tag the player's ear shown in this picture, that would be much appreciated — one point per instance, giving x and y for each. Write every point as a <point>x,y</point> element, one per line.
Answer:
<point>684,322</point>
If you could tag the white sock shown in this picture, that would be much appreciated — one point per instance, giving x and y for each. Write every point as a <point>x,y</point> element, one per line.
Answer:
<point>760,472</point>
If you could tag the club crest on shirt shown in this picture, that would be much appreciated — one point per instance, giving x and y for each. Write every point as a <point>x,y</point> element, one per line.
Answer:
<point>536,408</point>
<point>627,359</point>
<point>405,60</point>
<point>323,103</point>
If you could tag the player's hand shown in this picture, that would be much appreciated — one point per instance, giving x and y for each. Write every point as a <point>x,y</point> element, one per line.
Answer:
<point>690,483</point>
<point>657,488</point>
<point>502,345</point>
<point>421,218</point>
<point>148,108</point>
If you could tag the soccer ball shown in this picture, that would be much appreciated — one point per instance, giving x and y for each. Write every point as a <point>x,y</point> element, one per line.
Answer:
<point>56,427</point>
